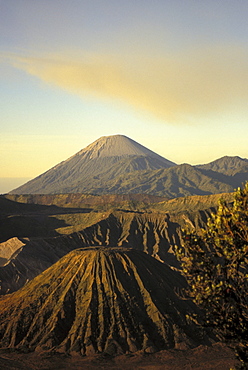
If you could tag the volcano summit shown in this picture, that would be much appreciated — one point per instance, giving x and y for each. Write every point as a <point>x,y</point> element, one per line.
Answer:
<point>93,167</point>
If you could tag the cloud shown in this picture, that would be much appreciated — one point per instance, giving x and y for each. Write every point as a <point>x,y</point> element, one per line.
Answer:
<point>176,89</point>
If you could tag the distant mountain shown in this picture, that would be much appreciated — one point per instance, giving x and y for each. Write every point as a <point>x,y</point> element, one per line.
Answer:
<point>232,171</point>
<point>101,300</point>
<point>177,181</point>
<point>101,161</point>
<point>227,165</point>
<point>119,165</point>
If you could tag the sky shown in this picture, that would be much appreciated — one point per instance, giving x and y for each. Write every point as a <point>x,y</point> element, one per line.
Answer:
<point>170,74</point>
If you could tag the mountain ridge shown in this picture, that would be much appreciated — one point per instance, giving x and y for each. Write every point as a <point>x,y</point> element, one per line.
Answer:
<point>118,165</point>
<point>226,165</point>
<point>37,235</point>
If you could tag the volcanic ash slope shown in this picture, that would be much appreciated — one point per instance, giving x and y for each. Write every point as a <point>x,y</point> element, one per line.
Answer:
<point>95,165</point>
<point>111,300</point>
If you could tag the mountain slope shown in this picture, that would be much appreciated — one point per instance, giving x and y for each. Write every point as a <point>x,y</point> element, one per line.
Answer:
<point>119,165</point>
<point>100,300</point>
<point>176,181</point>
<point>106,158</point>
<point>118,146</point>
<point>227,165</point>
<point>79,200</point>
<point>229,170</point>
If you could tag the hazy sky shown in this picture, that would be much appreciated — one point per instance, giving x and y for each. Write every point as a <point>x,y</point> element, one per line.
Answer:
<point>170,74</point>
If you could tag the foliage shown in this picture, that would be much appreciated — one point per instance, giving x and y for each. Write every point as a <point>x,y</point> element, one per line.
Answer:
<point>214,263</point>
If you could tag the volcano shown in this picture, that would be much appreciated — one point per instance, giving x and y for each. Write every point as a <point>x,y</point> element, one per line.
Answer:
<point>119,165</point>
<point>100,300</point>
<point>94,166</point>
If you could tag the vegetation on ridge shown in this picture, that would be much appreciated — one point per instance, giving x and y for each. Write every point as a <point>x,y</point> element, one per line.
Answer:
<point>215,266</point>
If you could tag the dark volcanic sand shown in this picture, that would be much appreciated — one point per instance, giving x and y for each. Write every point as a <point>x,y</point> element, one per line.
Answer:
<point>217,357</point>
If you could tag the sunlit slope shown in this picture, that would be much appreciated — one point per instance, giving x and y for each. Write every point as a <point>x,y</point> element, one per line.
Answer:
<point>191,203</point>
<point>100,300</point>
<point>131,202</point>
<point>81,200</point>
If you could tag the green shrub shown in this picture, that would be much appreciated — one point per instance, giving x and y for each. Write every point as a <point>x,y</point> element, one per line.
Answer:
<point>214,264</point>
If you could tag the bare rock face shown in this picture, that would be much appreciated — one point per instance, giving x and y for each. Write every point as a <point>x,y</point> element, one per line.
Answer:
<point>33,257</point>
<point>9,249</point>
<point>100,300</point>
